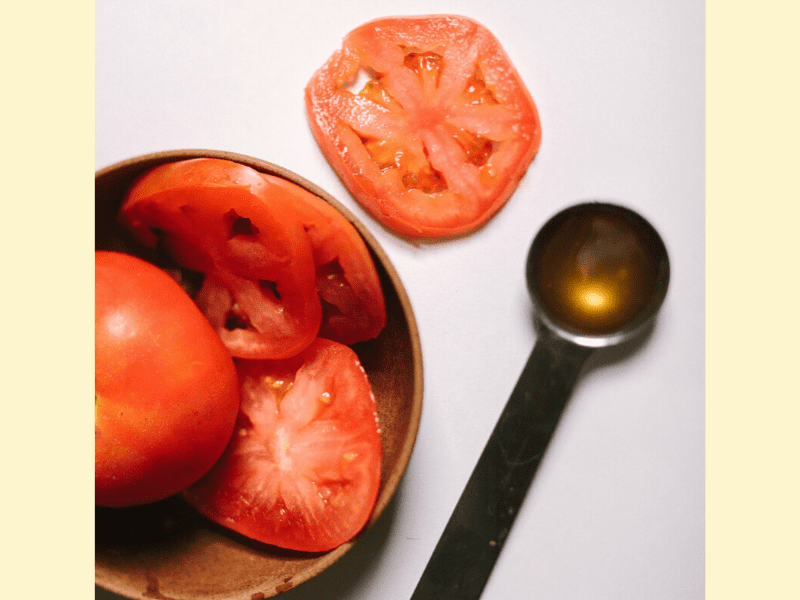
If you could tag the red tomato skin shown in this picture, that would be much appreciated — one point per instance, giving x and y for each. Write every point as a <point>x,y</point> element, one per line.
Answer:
<point>303,467</point>
<point>354,308</point>
<point>166,393</point>
<point>428,118</point>
<point>195,203</point>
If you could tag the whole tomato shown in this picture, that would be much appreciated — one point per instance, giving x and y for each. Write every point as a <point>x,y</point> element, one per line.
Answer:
<point>166,391</point>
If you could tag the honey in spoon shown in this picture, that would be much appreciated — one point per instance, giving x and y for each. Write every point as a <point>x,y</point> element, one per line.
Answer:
<point>595,270</point>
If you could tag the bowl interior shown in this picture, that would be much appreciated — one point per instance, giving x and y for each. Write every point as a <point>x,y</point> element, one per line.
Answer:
<point>166,549</point>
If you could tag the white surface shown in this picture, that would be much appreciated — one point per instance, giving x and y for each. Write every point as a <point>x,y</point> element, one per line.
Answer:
<point>617,508</point>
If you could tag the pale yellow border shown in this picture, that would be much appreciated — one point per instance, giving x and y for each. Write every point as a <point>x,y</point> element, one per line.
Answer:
<point>47,164</point>
<point>753,478</point>
<point>753,521</point>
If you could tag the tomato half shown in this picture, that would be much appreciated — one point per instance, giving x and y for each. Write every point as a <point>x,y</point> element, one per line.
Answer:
<point>166,392</point>
<point>437,139</point>
<point>217,217</point>
<point>303,467</point>
<point>353,305</point>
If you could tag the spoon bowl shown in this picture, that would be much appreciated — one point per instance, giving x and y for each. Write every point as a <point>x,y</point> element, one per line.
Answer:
<point>597,274</point>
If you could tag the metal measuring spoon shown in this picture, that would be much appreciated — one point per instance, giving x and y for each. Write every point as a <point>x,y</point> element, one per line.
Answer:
<point>597,274</point>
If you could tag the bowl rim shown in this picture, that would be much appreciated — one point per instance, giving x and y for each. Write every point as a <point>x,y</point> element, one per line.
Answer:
<point>389,487</point>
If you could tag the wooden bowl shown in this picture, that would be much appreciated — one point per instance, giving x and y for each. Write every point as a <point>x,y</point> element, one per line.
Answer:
<point>168,550</point>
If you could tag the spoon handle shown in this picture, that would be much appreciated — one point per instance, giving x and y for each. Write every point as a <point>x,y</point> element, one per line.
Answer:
<point>468,548</point>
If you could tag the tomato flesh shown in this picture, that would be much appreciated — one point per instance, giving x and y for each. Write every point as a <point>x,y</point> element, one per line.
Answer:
<point>437,139</point>
<point>303,468</point>
<point>218,217</point>
<point>166,393</point>
<point>354,308</point>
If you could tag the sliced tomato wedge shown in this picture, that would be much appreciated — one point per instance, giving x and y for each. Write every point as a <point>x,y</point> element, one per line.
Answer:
<point>302,470</point>
<point>353,305</point>
<point>437,138</point>
<point>215,216</point>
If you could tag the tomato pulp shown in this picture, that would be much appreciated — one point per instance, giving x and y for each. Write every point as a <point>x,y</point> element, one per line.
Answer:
<point>353,305</point>
<point>216,216</point>
<point>166,392</point>
<point>439,136</point>
<point>303,467</point>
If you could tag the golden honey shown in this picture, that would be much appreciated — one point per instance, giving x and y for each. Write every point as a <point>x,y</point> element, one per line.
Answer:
<point>595,270</point>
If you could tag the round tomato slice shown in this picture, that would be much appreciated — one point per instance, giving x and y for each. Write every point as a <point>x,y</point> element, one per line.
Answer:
<point>215,216</point>
<point>437,139</point>
<point>166,390</point>
<point>303,468</point>
<point>353,305</point>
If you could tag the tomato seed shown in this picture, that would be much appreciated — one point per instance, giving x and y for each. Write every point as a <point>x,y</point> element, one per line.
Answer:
<point>376,92</point>
<point>476,91</point>
<point>427,65</point>
<point>477,148</point>
<point>427,181</point>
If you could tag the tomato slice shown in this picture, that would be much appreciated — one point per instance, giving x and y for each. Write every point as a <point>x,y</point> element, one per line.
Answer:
<point>302,470</point>
<point>217,217</point>
<point>354,309</point>
<point>437,139</point>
